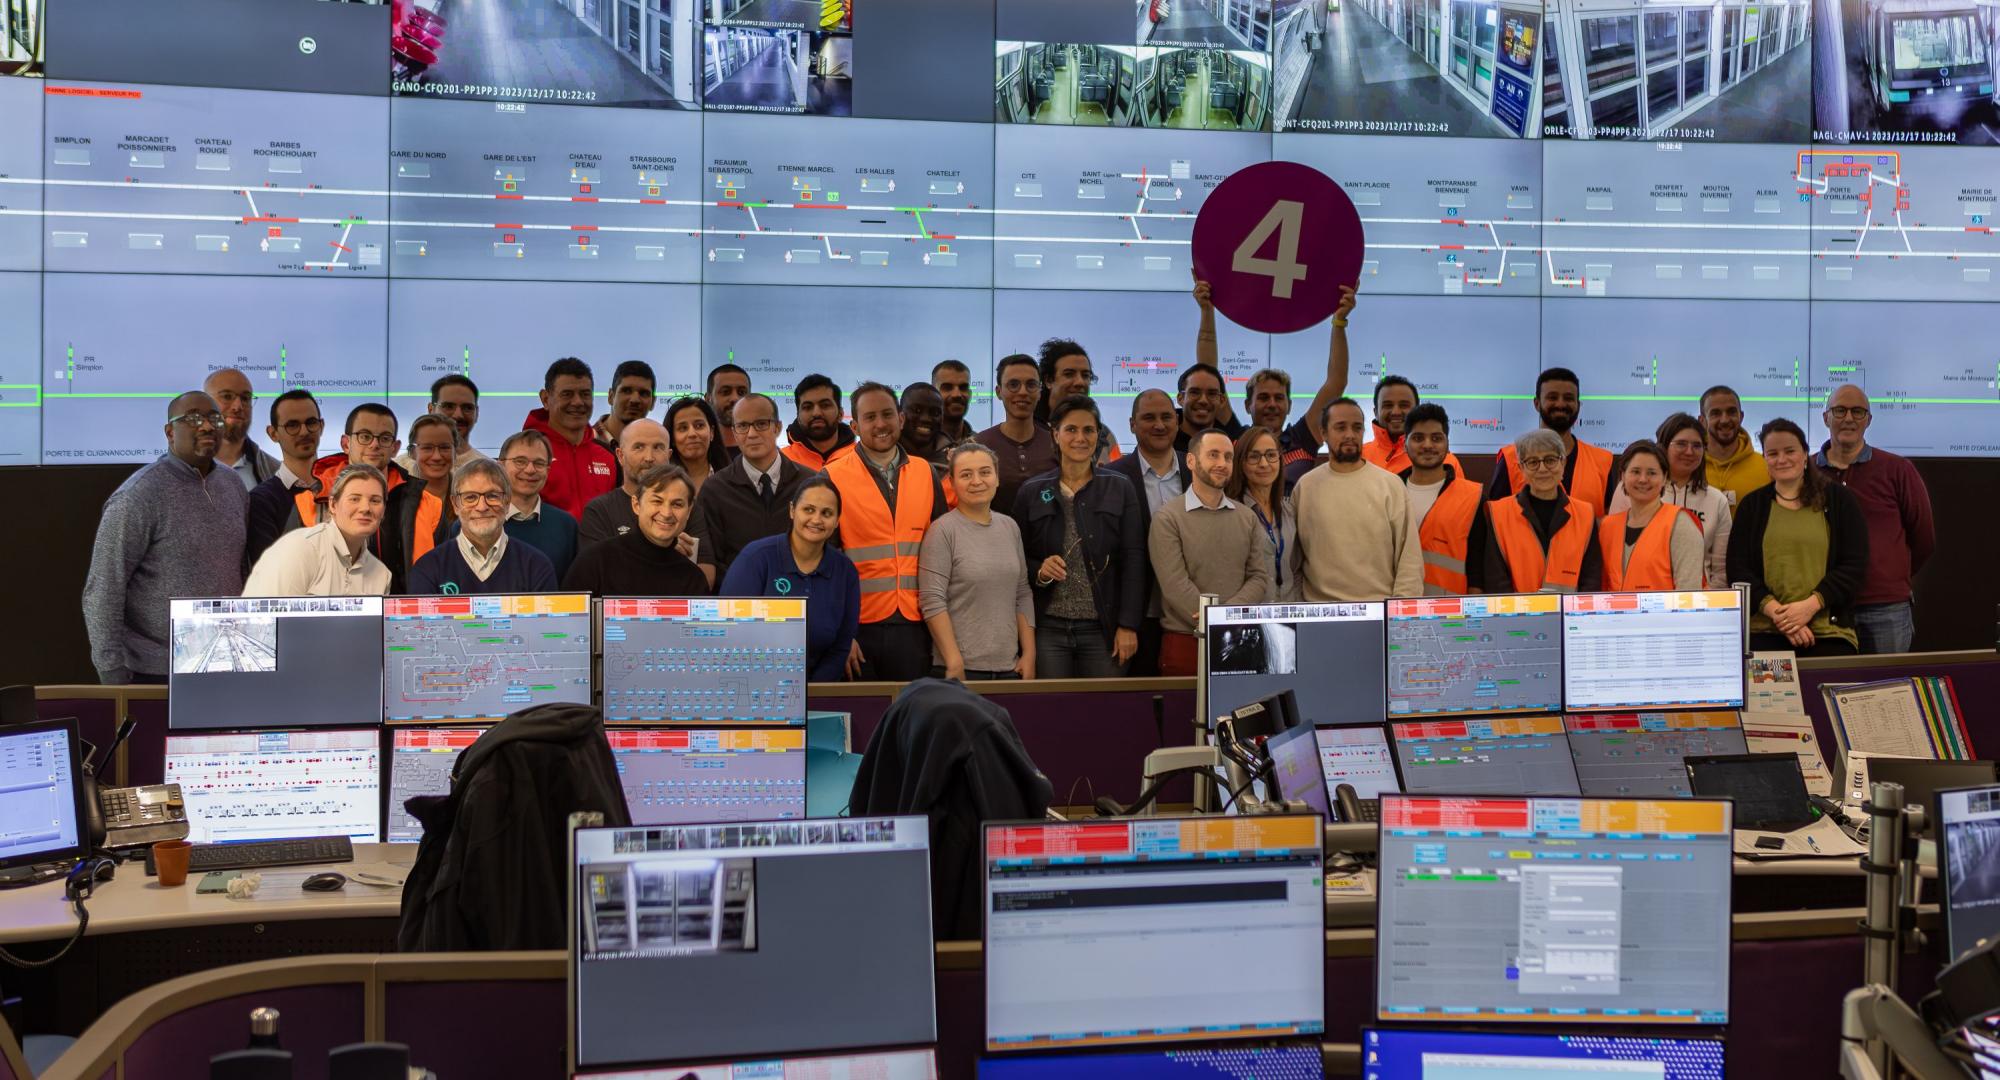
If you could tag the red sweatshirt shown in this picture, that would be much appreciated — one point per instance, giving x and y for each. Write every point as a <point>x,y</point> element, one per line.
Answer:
<point>577,473</point>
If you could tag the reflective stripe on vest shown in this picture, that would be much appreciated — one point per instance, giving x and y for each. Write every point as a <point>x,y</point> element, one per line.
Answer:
<point>1592,475</point>
<point>1445,533</point>
<point>883,541</point>
<point>1652,565</point>
<point>1521,548</point>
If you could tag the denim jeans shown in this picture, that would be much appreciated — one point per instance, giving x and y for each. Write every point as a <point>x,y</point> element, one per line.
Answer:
<point>1885,628</point>
<point>1073,649</point>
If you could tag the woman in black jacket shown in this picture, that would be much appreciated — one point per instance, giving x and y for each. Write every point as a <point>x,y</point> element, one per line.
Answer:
<point>418,515</point>
<point>1083,531</point>
<point>1802,544</point>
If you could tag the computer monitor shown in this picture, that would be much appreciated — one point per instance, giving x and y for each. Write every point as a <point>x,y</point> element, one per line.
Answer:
<point>1769,790</point>
<point>704,660</point>
<point>1568,911</point>
<point>1115,912</point>
<point>1428,1055</point>
<point>1475,655</point>
<point>878,1065</point>
<point>243,662</point>
<point>41,804</point>
<point>1294,758</point>
<point>824,927</point>
<point>1504,755</point>
<point>1969,864</point>
<point>1923,778</point>
<point>686,776</point>
<point>1359,756</point>
<point>1178,1063</point>
<point>479,658</point>
<point>1328,655</point>
<point>274,785</point>
<point>1653,650</point>
<point>421,761</point>
<point>1641,754</point>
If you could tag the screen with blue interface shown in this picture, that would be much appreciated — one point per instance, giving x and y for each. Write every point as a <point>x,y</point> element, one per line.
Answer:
<point>684,776</point>
<point>1465,1055</point>
<point>1469,655</point>
<point>38,770</point>
<point>483,657</point>
<point>1220,1063</point>
<point>1570,911</point>
<point>705,660</point>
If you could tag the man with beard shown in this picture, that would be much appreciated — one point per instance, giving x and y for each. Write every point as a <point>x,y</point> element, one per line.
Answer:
<point>1897,507</point>
<point>923,414</point>
<point>1444,505</point>
<point>236,451</point>
<point>1204,406</point>
<point>1268,397</point>
<point>1734,467</point>
<point>1587,470</point>
<point>1023,445</point>
<point>1357,540</point>
<point>818,438</point>
<point>633,389</point>
<point>727,384</point>
<point>1204,543</point>
<point>1395,397</point>
<point>482,558</point>
<point>954,384</point>
<point>580,468</point>
<point>173,528</point>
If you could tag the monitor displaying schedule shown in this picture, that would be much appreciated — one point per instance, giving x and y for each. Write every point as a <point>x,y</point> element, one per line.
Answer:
<point>1480,1055</point>
<point>483,657</point>
<point>1114,911</point>
<point>1641,754</point>
<point>1505,755</point>
<point>1471,655</point>
<point>275,661</point>
<point>1358,756</point>
<point>1653,650</point>
<point>1568,911</point>
<point>683,776</point>
<point>704,660</point>
<point>421,761</point>
<point>1328,655</point>
<point>824,925</point>
<point>273,785</point>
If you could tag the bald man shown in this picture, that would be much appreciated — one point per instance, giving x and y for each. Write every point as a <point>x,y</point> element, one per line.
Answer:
<point>642,444</point>
<point>230,389</point>
<point>174,528</point>
<point>1897,506</point>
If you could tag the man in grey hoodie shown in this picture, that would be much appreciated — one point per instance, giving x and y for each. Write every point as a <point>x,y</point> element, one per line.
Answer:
<point>174,528</point>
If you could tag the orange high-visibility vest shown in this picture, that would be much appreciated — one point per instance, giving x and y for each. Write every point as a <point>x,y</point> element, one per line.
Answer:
<point>1652,565</point>
<point>1592,476</point>
<point>805,457</point>
<point>1558,569</point>
<point>1444,534</point>
<point>883,541</point>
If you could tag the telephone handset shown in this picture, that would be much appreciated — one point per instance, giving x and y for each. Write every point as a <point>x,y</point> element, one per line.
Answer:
<point>128,817</point>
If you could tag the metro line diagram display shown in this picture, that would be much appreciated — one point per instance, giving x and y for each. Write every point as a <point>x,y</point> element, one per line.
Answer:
<point>1783,197</point>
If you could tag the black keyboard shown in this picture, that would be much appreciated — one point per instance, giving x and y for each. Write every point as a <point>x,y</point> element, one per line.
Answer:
<point>257,854</point>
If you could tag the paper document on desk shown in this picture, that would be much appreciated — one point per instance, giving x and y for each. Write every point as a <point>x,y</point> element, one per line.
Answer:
<point>1881,718</point>
<point>1774,683</point>
<point>1823,839</point>
<point>1789,733</point>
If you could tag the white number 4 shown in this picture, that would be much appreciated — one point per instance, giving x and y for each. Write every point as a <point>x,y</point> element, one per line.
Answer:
<point>1284,218</point>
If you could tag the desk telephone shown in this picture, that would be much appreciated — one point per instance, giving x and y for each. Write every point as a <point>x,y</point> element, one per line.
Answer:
<point>129,817</point>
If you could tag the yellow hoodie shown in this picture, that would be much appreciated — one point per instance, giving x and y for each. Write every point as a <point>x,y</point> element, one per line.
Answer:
<point>1741,473</point>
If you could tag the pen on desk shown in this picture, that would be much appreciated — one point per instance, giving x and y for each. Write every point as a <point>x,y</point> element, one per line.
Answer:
<point>1813,844</point>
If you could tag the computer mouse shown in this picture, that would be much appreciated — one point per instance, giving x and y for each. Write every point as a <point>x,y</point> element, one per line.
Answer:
<point>326,882</point>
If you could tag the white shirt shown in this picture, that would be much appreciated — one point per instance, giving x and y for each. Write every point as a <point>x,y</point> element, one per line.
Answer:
<point>533,513</point>
<point>482,565</point>
<point>777,465</point>
<point>1422,498</point>
<point>314,562</point>
<point>286,476</point>
<point>1193,502</point>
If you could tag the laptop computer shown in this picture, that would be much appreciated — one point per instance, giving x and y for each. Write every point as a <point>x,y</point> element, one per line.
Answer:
<point>1769,789</point>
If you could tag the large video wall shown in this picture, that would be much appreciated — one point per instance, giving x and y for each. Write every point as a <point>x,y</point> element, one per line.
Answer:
<point>1783,196</point>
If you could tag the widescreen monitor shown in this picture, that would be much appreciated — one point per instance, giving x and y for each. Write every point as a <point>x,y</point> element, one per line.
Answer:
<point>1114,912</point>
<point>1642,754</point>
<point>825,926</point>
<point>686,776</point>
<point>704,660</point>
<point>244,662</point>
<point>1328,655</point>
<point>1550,910</point>
<point>479,658</point>
<point>875,1065</point>
<point>1653,650</point>
<point>1359,756</point>
<point>1388,1054</point>
<point>421,761</point>
<point>1475,655</point>
<point>41,809</point>
<point>274,785</point>
<point>1505,755</point>
<point>1303,1062</point>
<point>1969,864</point>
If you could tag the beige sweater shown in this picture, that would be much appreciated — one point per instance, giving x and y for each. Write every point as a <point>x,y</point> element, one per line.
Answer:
<point>1356,538</point>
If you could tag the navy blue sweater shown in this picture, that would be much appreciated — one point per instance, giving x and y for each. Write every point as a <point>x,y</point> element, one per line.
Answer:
<point>523,569</point>
<point>832,593</point>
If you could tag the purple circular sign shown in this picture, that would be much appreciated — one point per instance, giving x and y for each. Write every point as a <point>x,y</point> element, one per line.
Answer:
<point>1275,242</point>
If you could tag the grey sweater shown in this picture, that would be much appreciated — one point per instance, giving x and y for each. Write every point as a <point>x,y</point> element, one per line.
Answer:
<point>167,531</point>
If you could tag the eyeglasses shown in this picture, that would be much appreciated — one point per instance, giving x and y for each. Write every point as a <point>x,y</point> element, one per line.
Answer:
<point>198,420</point>
<point>1266,457</point>
<point>477,498</point>
<point>759,424</point>
<point>434,448</point>
<point>370,438</point>
<point>525,464</point>
<point>1842,412</point>
<point>1539,463</point>
<point>300,427</point>
<point>1015,386</point>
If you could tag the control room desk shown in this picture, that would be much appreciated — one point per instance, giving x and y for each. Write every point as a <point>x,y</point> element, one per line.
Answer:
<point>141,934</point>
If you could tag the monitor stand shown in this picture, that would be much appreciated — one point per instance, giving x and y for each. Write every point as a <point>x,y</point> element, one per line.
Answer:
<point>19,877</point>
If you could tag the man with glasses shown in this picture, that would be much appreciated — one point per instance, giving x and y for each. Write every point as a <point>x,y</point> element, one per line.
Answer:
<point>482,558</point>
<point>280,506</point>
<point>954,384</point>
<point>1204,406</point>
<point>294,429</point>
<point>548,529</point>
<point>1543,540</point>
<point>231,390</point>
<point>580,469</point>
<point>1268,396</point>
<point>1734,467</point>
<point>456,398</point>
<point>1897,506</point>
<point>173,528</point>
<point>1357,539</point>
<point>751,498</point>
<point>1023,445</point>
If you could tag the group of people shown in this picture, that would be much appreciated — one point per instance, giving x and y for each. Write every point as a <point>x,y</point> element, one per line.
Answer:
<point>1033,548</point>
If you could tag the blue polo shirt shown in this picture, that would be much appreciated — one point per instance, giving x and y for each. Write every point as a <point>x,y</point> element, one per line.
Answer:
<point>832,593</point>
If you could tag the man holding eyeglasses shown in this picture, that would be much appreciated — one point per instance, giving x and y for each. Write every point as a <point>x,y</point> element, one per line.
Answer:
<point>293,500</point>
<point>174,528</point>
<point>1023,446</point>
<point>481,558</point>
<point>1897,506</point>
<point>548,529</point>
<point>231,390</point>
<point>752,497</point>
